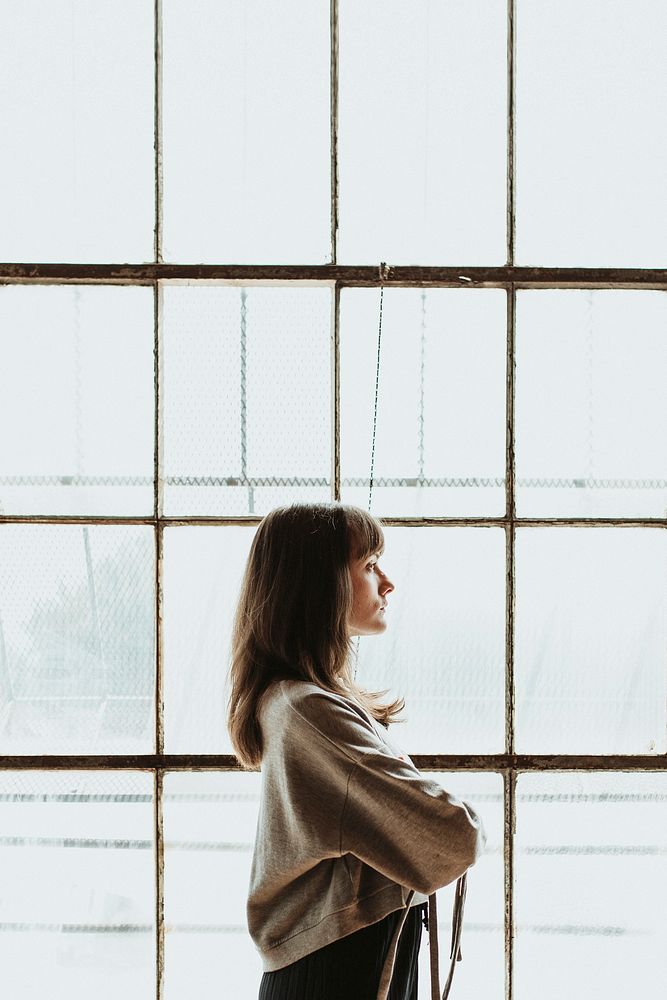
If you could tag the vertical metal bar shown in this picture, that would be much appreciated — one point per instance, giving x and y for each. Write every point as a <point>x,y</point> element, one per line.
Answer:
<point>509,830</point>
<point>333,95</point>
<point>157,124</point>
<point>510,513</point>
<point>511,110</point>
<point>336,393</point>
<point>159,686</point>
<point>159,702</point>
<point>590,423</point>
<point>158,835</point>
<point>158,422</point>
<point>159,749</point>
<point>422,372</point>
<point>333,124</point>
<point>510,597</point>
<point>509,797</point>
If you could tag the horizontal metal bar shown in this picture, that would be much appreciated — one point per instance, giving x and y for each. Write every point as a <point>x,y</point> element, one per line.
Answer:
<point>251,520</point>
<point>346,275</point>
<point>425,762</point>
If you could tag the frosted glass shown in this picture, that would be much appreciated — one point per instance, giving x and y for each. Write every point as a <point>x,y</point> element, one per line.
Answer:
<point>422,132</point>
<point>77,624</point>
<point>247,397</point>
<point>591,634</point>
<point>246,132</point>
<point>481,973</point>
<point>590,886</point>
<point>444,646</point>
<point>440,434</point>
<point>209,828</point>
<point>591,154</point>
<point>76,392</point>
<point>591,406</point>
<point>77,906</point>
<point>203,567</point>
<point>76,119</point>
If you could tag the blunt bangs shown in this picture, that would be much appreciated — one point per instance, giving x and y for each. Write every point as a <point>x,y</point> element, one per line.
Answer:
<point>365,533</point>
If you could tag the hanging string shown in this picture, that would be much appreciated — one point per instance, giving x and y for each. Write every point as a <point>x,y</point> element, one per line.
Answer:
<point>383,273</point>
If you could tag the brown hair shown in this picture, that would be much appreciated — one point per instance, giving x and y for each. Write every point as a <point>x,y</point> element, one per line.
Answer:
<point>293,610</point>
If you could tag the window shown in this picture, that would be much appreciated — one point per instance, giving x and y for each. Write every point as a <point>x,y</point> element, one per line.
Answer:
<point>198,201</point>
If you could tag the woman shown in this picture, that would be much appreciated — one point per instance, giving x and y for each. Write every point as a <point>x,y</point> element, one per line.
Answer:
<point>351,839</point>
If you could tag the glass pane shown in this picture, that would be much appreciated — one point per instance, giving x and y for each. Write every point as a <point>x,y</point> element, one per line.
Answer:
<point>77,906</point>
<point>246,131</point>
<point>76,117</point>
<point>203,567</point>
<point>76,386</point>
<point>591,883</point>
<point>444,647</point>
<point>591,406</point>
<point>440,438</point>
<point>591,634</point>
<point>77,623</point>
<point>591,156</point>
<point>482,970</point>
<point>247,390</point>
<point>209,828</point>
<point>422,131</point>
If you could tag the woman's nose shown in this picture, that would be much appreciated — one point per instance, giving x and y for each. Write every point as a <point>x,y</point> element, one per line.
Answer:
<point>386,586</point>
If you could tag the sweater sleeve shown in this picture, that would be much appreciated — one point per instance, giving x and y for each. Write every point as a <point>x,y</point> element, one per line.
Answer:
<point>393,819</point>
<point>406,826</point>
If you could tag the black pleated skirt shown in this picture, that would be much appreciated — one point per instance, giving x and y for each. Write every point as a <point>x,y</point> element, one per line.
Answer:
<point>350,968</point>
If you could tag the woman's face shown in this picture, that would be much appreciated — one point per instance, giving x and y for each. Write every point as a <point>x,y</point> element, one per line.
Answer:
<point>370,588</point>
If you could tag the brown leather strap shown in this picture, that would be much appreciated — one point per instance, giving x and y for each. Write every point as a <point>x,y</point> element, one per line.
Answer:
<point>455,949</point>
<point>434,957</point>
<point>388,967</point>
<point>457,924</point>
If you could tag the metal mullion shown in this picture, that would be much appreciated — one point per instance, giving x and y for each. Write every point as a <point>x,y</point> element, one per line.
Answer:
<point>511,94</point>
<point>157,125</point>
<point>509,779</point>
<point>157,512</point>
<point>158,834</point>
<point>336,394</point>
<point>159,686</point>
<point>509,831</point>
<point>333,123</point>
<point>510,521</point>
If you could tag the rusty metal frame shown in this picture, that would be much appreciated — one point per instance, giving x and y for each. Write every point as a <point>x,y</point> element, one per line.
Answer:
<point>500,763</point>
<point>158,774</point>
<point>508,277</point>
<point>344,275</point>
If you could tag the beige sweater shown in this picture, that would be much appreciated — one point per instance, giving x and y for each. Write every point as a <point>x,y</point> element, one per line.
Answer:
<point>347,826</point>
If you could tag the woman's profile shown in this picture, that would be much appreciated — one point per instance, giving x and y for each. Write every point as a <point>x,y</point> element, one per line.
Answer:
<point>351,838</point>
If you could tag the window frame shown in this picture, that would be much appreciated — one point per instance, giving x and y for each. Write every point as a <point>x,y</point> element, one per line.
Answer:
<point>508,277</point>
